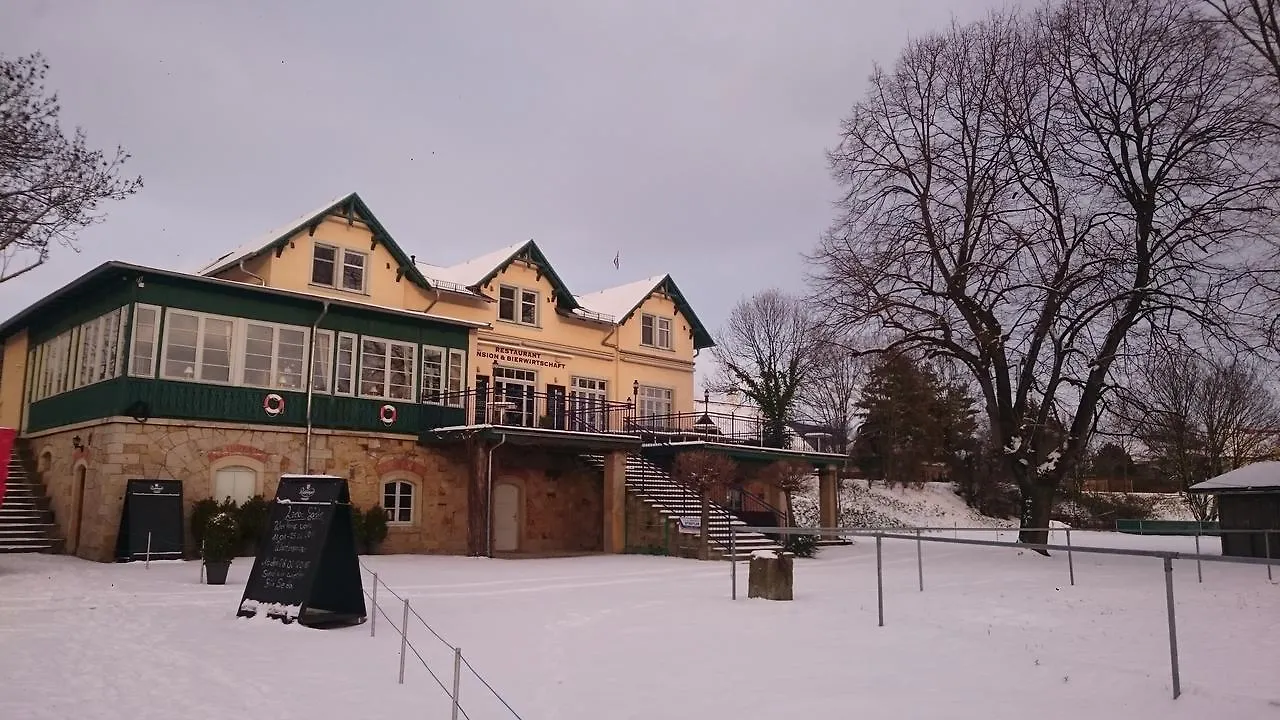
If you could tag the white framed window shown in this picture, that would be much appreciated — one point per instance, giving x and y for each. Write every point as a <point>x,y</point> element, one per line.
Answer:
<point>397,502</point>
<point>651,400</point>
<point>196,347</point>
<point>588,403</point>
<point>655,331</point>
<point>433,367</point>
<point>236,482</point>
<point>274,356</point>
<point>344,380</point>
<point>444,372</point>
<point>456,379</point>
<point>321,360</point>
<point>96,349</point>
<point>517,305</point>
<point>146,331</point>
<point>387,368</point>
<point>339,268</point>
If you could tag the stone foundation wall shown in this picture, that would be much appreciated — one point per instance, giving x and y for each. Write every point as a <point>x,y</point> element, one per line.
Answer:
<point>116,452</point>
<point>562,500</point>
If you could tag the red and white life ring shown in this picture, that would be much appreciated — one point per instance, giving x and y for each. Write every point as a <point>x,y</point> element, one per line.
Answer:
<point>273,404</point>
<point>388,414</point>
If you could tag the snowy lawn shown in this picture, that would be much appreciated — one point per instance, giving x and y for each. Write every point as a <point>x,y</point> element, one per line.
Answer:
<point>996,634</point>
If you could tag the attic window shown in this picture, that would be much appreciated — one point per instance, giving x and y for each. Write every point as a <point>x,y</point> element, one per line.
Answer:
<point>517,305</point>
<point>338,268</point>
<point>655,331</point>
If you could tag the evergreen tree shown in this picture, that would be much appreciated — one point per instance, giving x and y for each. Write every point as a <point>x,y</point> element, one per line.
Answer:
<point>912,419</point>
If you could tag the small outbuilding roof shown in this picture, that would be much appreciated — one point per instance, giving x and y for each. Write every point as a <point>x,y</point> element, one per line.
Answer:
<point>1263,475</point>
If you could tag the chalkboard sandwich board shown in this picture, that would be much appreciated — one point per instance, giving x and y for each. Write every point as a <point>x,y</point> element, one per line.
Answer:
<point>306,568</point>
<point>151,521</point>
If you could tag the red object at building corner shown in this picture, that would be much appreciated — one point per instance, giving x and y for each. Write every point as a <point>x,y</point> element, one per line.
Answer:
<point>6,446</point>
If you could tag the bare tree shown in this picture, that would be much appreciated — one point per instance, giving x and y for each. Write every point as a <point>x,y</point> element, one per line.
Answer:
<point>50,184</point>
<point>1257,24</point>
<point>829,398</point>
<point>1199,418</point>
<point>766,351</point>
<point>1022,192</point>
<point>703,472</point>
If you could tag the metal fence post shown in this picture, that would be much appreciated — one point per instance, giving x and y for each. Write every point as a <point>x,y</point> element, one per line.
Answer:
<point>1071,563</point>
<point>920,559</point>
<point>1173,628</point>
<point>404,638</point>
<point>879,581</point>
<point>1266,539</point>
<point>457,680</point>
<point>373,621</point>
<point>1199,572</point>
<point>733,561</point>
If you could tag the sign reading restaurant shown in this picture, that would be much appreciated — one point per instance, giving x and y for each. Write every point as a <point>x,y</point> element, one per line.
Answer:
<point>508,354</point>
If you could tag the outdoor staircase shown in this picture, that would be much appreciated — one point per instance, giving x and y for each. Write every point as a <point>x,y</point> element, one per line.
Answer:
<point>26,523</point>
<point>654,487</point>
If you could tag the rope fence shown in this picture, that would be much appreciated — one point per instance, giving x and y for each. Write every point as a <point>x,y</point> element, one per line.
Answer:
<point>406,647</point>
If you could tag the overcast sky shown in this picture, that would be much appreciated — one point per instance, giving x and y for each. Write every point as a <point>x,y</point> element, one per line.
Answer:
<point>687,135</point>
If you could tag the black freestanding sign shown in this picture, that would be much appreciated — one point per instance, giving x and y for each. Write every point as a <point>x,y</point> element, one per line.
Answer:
<point>152,514</point>
<point>306,568</point>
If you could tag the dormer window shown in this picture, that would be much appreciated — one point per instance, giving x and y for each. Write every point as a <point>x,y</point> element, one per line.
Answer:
<point>338,268</point>
<point>517,305</point>
<point>655,331</point>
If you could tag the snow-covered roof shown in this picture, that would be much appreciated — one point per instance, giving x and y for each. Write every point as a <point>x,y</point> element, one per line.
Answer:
<point>1255,476</point>
<point>262,242</point>
<point>617,302</point>
<point>474,271</point>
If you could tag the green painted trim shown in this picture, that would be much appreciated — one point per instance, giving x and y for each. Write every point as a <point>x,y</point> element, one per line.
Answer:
<point>346,209</point>
<point>113,272</point>
<point>745,452</point>
<point>701,337</point>
<point>530,252</point>
<point>539,437</point>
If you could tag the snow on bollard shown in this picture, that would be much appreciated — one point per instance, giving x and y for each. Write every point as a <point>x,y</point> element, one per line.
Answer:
<point>770,575</point>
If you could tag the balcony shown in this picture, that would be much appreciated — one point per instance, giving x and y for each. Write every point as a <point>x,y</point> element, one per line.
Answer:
<point>571,418</point>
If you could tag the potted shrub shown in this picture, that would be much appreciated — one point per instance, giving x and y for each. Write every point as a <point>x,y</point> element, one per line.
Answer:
<point>201,512</point>
<point>375,527</point>
<point>253,517</point>
<point>357,529</point>
<point>221,543</point>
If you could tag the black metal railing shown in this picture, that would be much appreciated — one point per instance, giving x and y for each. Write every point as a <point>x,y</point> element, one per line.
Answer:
<point>520,406</point>
<point>718,427</point>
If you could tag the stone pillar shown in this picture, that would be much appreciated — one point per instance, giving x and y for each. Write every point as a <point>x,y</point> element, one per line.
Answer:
<point>477,497</point>
<point>828,503</point>
<point>615,501</point>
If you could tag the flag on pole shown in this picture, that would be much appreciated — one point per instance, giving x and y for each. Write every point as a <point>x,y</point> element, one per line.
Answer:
<point>616,256</point>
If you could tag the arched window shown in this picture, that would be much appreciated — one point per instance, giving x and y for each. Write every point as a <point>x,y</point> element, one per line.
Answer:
<point>397,501</point>
<point>236,482</point>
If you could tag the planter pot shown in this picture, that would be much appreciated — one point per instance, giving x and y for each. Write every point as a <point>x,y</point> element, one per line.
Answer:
<point>215,572</point>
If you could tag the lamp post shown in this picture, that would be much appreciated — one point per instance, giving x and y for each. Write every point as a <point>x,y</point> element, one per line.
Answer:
<point>704,424</point>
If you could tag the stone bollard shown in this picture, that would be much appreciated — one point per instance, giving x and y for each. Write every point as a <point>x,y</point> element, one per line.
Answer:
<point>770,575</point>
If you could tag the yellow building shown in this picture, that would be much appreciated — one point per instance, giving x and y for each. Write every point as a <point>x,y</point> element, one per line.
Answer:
<point>484,406</point>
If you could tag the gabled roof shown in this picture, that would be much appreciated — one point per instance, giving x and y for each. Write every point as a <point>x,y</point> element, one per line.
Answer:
<point>621,301</point>
<point>474,273</point>
<point>350,207</point>
<point>1254,476</point>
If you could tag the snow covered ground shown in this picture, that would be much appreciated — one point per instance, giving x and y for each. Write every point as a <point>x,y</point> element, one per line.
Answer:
<point>935,504</point>
<point>996,634</point>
